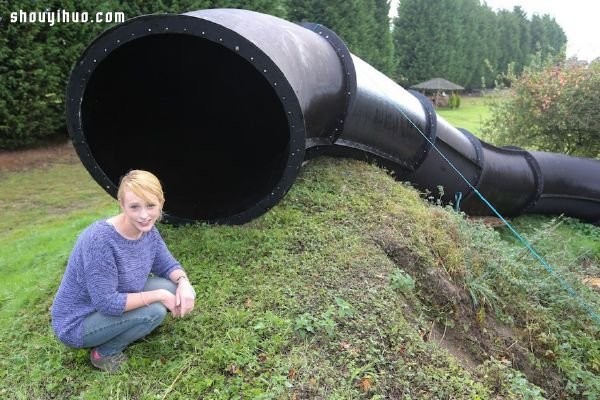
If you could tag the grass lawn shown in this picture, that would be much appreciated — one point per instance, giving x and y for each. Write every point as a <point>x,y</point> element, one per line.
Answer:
<point>471,114</point>
<point>42,211</point>
<point>352,287</point>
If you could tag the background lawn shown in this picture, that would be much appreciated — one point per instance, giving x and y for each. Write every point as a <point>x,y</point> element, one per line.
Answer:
<point>471,114</point>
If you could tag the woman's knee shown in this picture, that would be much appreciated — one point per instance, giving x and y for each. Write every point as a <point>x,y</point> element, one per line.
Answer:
<point>155,282</point>
<point>156,311</point>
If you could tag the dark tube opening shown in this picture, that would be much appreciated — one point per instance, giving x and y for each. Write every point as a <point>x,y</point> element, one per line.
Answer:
<point>196,114</point>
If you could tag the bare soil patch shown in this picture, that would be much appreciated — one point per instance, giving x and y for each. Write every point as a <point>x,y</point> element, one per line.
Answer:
<point>56,152</point>
<point>473,339</point>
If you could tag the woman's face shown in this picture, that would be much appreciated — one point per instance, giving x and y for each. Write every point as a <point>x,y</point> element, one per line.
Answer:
<point>140,215</point>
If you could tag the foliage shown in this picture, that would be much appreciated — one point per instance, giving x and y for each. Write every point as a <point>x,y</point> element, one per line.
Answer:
<point>401,281</point>
<point>35,60</point>
<point>454,101</point>
<point>497,373</point>
<point>552,108</point>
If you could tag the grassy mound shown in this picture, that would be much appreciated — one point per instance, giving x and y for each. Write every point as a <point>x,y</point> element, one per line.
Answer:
<point>352,287</point>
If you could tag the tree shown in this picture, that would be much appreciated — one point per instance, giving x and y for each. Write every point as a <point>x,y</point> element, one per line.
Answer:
<point>438,38</point>
<point>524,38</point>
<point>509,39</point>
<point>384,58</point>
<point>417,41</point>
<point>487,27</point>
<point>547,37</point>
<point>556,40</point>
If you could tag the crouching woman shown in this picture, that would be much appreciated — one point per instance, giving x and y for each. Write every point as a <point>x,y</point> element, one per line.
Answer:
<point>120,279</point>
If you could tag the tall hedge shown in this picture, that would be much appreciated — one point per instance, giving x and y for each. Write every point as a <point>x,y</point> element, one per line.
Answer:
<point>35,61</point>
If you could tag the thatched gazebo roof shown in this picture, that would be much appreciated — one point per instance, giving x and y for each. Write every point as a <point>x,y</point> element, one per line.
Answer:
<point>437,84</point>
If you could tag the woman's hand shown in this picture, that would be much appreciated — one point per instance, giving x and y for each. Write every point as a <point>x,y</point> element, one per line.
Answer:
<point>169,300</point>
<point>184,298</point>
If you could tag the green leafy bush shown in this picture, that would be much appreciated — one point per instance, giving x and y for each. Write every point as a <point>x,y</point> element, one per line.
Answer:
<point>454,101</point>
<point>551,108</point>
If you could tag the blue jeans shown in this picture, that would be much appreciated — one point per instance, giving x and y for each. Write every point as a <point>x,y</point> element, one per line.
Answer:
<point>110,335</point>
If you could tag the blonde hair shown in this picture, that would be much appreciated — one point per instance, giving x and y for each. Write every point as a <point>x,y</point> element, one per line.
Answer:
<point>142,184</point>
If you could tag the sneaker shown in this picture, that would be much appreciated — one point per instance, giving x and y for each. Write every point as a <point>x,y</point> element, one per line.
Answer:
<point>107,363</point>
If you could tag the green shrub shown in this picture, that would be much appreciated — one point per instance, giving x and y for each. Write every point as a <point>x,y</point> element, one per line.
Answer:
<point>454,101</point>
<point>551,108</point>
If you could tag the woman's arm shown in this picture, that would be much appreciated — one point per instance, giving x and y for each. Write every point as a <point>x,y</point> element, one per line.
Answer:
<point>141,299</point>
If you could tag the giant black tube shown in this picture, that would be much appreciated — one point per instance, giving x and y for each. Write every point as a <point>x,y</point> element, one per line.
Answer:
<point>224,105</point>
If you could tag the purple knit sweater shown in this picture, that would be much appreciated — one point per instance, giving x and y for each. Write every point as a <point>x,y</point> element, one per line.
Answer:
<point>103,267</point>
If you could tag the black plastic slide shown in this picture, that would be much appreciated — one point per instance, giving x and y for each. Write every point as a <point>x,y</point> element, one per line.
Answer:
<point>224,105</point>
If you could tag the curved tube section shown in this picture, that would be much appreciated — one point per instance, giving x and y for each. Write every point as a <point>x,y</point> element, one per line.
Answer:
<point>571,186</point>
<point>224,105</point>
